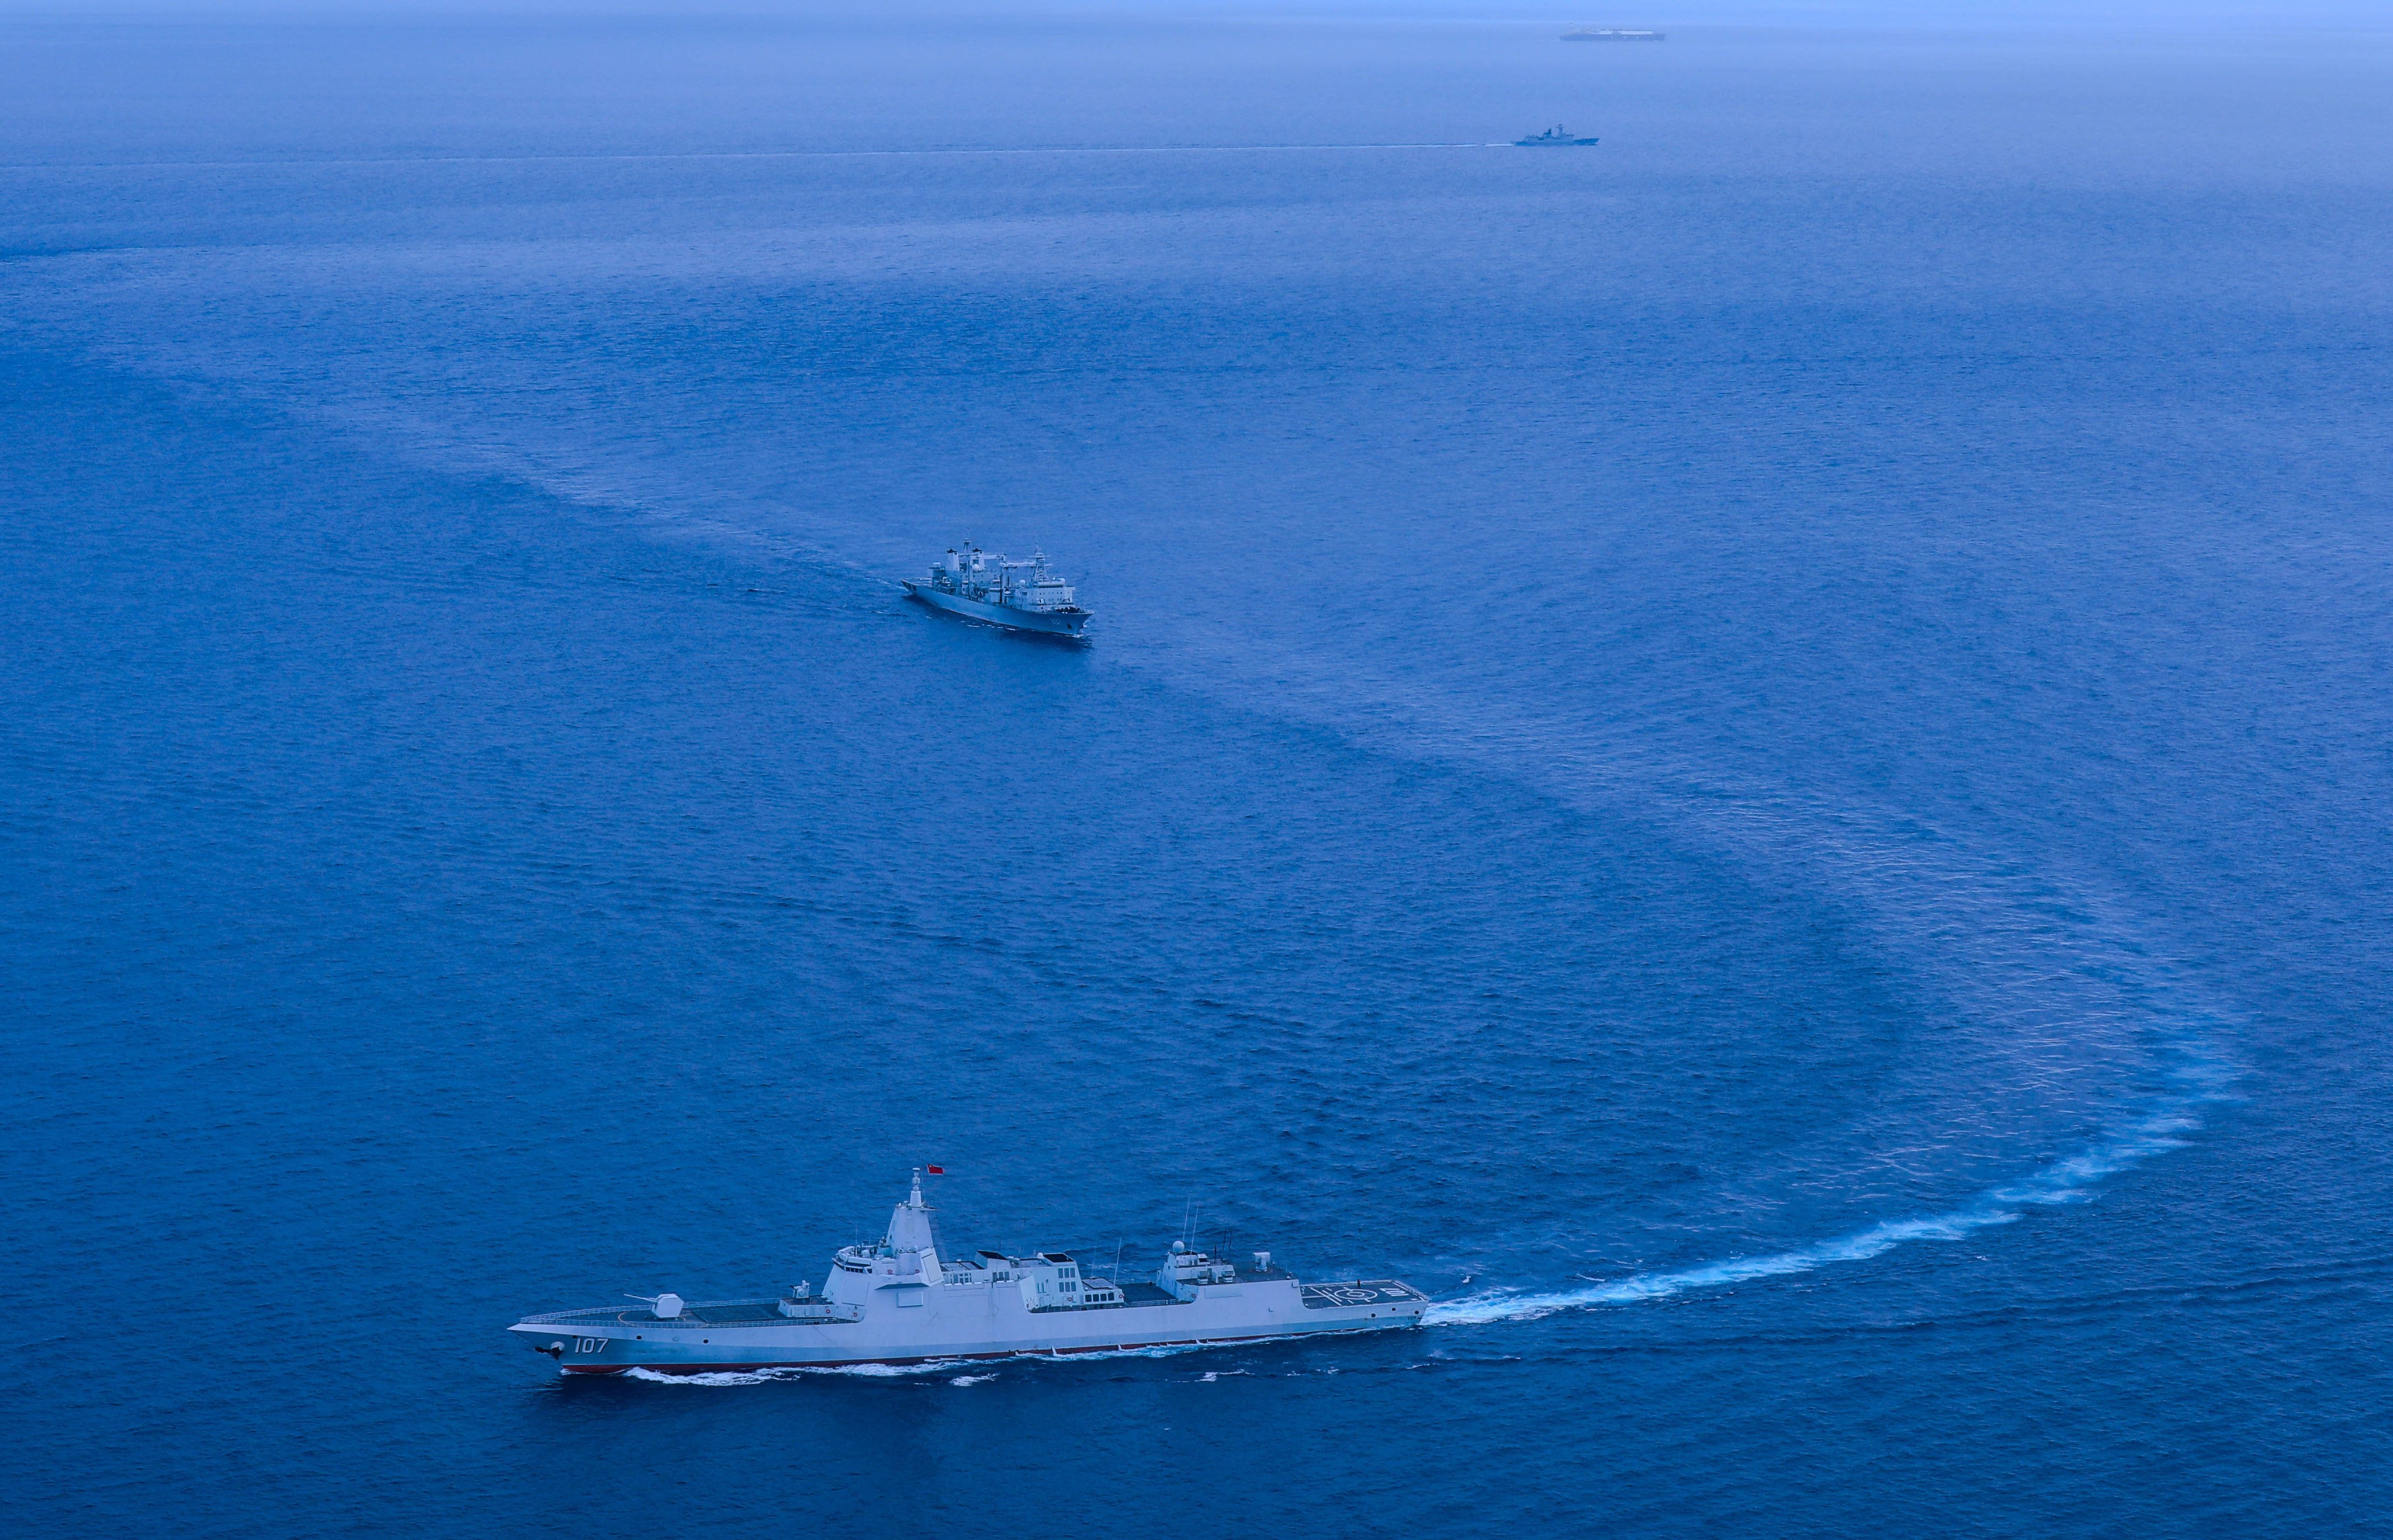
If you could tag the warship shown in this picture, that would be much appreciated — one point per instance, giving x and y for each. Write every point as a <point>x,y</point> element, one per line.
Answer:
<point>1021,595</point>
<point>905,1302</point>
<point>1612,34</point>
<point>1554,135</point>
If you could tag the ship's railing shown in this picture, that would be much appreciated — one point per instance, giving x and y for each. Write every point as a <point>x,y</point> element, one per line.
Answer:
<point>689,1319</point>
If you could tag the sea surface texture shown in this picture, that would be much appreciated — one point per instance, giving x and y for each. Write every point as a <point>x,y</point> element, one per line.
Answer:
<point>1758,754</point>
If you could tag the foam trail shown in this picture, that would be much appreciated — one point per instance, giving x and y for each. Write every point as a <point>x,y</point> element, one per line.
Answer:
<point>2015,948</point>
<point>896,1371</point>
<point>2200,1075</point>
<point>2056,976</point>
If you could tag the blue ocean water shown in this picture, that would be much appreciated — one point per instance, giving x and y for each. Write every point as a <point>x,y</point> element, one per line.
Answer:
<point>1759,755</point>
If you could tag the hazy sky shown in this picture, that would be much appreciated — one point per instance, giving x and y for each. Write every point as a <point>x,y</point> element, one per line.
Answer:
<point>2371,14</point>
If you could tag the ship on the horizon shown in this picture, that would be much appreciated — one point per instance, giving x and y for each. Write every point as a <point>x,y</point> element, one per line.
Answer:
<point>1612,34</point>
<point>905,1302</point>
<point>1557,134</point>
<point>1021,594</point>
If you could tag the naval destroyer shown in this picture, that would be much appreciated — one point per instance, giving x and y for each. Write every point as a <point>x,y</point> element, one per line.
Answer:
<point>903,1300</point>
<point>1021,595</point>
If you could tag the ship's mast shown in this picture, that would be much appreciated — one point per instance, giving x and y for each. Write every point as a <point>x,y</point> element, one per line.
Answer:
<point>909,1234</point>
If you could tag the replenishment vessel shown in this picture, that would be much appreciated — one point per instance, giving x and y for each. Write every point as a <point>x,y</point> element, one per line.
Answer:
<point>905,1302</point>
<point>1021,594</point>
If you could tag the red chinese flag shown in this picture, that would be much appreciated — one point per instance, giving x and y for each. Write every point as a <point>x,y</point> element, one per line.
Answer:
<point>936,1170</point>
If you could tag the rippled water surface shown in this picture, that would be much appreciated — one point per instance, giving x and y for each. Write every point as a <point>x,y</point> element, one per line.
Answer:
<point>1756,754</point>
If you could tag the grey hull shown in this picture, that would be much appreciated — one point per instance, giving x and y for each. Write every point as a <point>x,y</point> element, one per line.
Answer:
<point>898,1300</point>
<point>1042,622</point>
<point>959,1323</point>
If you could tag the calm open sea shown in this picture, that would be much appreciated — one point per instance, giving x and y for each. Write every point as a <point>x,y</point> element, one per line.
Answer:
<point>1758,754</point>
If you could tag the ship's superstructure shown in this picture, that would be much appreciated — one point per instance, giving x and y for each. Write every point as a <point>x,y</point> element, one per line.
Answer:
<point>902,1300</point>
<point>1023,595</point>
